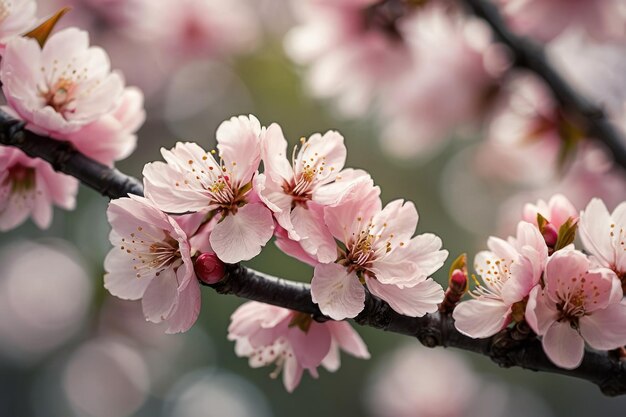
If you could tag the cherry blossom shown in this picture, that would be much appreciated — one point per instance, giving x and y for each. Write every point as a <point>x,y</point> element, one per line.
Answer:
<point>62,87</point>
<point>151,261</point>
<point>29,188</point>
<point>113,136</point>
<point>192,180</point>
<point>293,341</point>
<point>604,236</point>
<point>509,271</point>
<point>453,57</point>
<point>297,192</point>
<point>545,19</point>
<point>576,305</point>
<point>339,37</point>
<point>16,18</point>
<point>380,253</point>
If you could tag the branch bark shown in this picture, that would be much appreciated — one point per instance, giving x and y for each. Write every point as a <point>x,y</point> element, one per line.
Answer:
<point>511,347</point>
<point>531,56</point>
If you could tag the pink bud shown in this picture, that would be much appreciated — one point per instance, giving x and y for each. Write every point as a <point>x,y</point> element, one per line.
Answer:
<point>550,234</point>
<point>209,268</point>
<point>458,281</point>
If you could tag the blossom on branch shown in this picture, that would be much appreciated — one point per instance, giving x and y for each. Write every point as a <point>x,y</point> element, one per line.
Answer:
<point>29,187</point>
<point>151,261</point>
<point>379,253</point>
<point>293,341</point>
<point>576,305</point>
<point>604,236</point>
<point>191,180</point>
<point>66,90</point>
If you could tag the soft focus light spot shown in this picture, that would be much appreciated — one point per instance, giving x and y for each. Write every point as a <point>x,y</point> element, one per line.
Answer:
<point>105,378</point>
<point>209,393</point>
<point>44,297</point>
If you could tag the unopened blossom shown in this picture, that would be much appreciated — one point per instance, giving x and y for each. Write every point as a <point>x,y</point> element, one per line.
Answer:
<point>453,56</point>
<point>192,180</point>
<point>151,261</point>
<point>546,19</point>
<point>293,341</point>
<point>509,271</point>
<point>604,236</point>
<point>296,192</point>
<point>62,87</point>
<point>339,37</point>
<point>30,188</point>
<point>381,253</point>
<point>557,212</point>
<point>16,18</point>
<point>576,305</point>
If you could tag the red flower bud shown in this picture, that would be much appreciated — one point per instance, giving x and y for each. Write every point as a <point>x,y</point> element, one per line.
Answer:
<point>209,268</point>
<point>550,234</point>
<point>458,281</point>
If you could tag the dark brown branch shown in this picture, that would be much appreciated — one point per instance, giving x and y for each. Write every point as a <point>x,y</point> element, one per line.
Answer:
<point>65,158</point>
<point>511,347</point>
<point>531,56</point>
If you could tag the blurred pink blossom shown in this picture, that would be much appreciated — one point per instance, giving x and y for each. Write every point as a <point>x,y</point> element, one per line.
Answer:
<point>456,67</point>
<point>192,180</point>
<point>546,19</point>
<point>340,37</point>
<point>16,18</point>
<point>381,251</point>
<point>577,305</point>
<point>150,261</point>
<point>293,341</point>
<point>29,188</point>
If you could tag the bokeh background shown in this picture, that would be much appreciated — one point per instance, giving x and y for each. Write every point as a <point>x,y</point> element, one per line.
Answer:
<point>68,348</point>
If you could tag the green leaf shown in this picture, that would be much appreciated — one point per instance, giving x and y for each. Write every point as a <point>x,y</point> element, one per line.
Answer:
<point>567,233</point>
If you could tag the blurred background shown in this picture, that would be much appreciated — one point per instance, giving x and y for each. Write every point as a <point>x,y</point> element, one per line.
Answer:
<point>68,348</point>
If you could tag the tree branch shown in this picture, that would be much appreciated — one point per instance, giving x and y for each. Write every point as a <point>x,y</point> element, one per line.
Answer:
<point>510,347</point>
<point>531,56</point>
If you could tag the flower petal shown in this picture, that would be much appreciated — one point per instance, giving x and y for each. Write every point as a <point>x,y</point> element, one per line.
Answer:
<point>563,345</point>
<point>481,318</point>
<point>338,292</point>
<point>310,347</point>
<point>160,297</point>
<point>241,236</point>
<point>415,301</point>
<point>605,329</point>
<point>239,145</point>
<point>540,312</point>
<point>187,309</point>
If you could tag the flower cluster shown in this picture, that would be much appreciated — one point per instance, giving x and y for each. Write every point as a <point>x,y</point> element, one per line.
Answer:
<point>566,297</point>
<point>204,208</point>
<point>63,88</point>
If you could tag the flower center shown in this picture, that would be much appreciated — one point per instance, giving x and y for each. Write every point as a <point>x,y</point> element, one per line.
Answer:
<point>22,178</point>
<point>367,246</point>
<point>61,96</point>
<point>151,252</point>
<point>572,307</point>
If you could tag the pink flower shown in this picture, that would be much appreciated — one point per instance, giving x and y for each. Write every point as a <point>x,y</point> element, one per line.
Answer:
<point>576,305</point>
<point>509,271</point>
<point>604,236</point>
<point>380,253</point>
<point>545,19</point>
<point>29,188</point>
<point>113,136</point>
<point>339,37</point>
<point>17,17</point>
<point>192,180</point>
<point>61,88</point>
<point>296,192</point>
<point>198,28</point>
<point>453,57</point>
<point>151,261</point>
<point>557,212</point>
<point>291,340</point>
